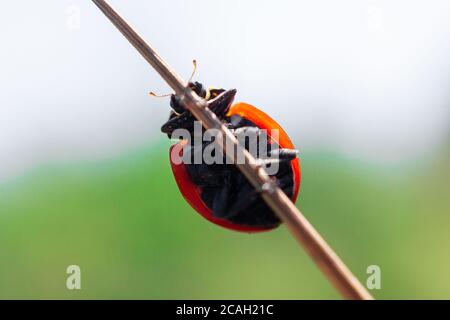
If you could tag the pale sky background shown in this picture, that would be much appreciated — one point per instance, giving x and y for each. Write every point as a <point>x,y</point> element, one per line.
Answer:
<point>367,79</point>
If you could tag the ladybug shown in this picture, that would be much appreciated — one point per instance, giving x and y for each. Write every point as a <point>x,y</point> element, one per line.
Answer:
<point>219,191</point>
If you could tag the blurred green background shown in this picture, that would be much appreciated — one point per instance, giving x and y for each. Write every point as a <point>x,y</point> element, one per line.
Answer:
<point>128,228</point>
<point>361,86</point>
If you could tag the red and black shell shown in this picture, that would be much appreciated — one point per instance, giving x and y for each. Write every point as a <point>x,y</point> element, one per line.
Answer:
<point>219,192</point>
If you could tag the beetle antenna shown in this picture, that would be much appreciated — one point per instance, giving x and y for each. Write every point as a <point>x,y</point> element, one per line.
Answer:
<point>194,63</point>
<point>154,95</point>
<point>321,253</point>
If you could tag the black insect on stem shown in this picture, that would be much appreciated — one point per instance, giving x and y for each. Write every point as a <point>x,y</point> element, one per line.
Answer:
<point>225,190</point>
<point>322,254</point>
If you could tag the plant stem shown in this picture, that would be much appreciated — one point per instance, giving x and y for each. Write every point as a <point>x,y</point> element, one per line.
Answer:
<point>322,254</point>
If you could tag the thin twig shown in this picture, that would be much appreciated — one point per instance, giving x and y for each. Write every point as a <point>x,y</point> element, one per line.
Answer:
<point>325,258</point>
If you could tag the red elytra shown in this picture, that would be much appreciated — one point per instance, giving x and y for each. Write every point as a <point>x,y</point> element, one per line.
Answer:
<point>192,193</point>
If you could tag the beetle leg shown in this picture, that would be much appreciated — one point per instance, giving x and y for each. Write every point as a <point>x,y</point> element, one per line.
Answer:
<point>221,199</point>
<point>246,196</point>
<point>247,130</point>
<point>222,103</point>
<point>248,137</point>
<point>175,104</point>
<point>269,161</point>
<point>284,154</point>
<point>203,175</point>
<point>276,154</point>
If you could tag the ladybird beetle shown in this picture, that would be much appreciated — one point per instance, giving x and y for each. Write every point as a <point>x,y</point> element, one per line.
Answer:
<point>220,192</point>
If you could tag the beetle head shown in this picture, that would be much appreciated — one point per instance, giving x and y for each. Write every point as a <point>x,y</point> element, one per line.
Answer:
<point>219,101</point>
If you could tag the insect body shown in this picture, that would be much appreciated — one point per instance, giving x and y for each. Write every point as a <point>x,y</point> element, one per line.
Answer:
<point>219,191</point>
